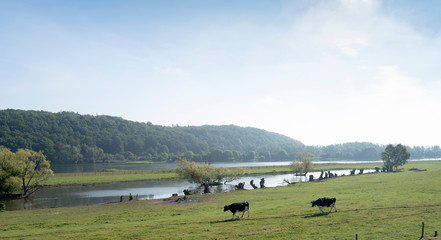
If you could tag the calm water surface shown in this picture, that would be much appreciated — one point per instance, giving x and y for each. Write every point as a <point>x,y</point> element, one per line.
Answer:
<point>104,193</point>
<point>98,167</point>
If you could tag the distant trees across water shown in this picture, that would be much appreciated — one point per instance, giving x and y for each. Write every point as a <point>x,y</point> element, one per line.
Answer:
<point>68,137</point>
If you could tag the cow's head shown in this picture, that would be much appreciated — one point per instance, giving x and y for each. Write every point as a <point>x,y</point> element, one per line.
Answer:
<point>313,203</point>
<point>226,208</point>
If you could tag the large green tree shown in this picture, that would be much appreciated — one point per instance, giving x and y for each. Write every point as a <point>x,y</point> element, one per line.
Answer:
<point>23,170</point>
<point>9,172</point>
<point>394,156</point>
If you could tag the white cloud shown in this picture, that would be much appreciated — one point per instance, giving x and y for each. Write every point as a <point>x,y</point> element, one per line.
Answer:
<point>325,72</point>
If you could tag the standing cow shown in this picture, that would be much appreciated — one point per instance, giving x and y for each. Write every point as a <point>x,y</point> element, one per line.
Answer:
<point>325,202</point>
<point>238,207</point>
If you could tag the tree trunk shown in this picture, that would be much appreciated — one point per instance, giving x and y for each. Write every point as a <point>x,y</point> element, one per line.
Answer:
<point>25,189</point>
<point>206,188</point>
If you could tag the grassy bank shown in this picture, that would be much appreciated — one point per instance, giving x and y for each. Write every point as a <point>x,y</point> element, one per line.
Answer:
<point>158,175</point>
<point>109,177</point>
<point>374,206</point>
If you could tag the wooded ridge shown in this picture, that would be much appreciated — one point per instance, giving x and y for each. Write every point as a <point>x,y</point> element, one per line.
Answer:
<point>68,137</point>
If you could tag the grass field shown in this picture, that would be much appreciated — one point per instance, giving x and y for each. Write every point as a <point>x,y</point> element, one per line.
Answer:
<point>161,174</point>
<point>109,177</point>
<point>374,206</point>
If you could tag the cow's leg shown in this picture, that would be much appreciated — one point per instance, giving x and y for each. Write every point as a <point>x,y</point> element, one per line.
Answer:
<point>335,207</point>
<point>243,213</point>
<point>234,214</point>
<point>332,205</point>
<point>248,212</point>
<point>321,209</point>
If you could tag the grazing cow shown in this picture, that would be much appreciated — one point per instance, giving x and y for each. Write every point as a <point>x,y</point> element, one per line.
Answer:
<point>238,207</point>
<point>325,202</point>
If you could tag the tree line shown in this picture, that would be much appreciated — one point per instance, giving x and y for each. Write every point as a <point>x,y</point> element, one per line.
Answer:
<point>68,137</point>
<point>207,175</point>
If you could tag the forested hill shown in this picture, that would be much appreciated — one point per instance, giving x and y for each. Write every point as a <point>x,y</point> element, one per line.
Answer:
<point>68,137</point>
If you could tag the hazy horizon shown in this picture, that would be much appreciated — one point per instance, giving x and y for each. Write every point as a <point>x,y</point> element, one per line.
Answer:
<point>320,72</point>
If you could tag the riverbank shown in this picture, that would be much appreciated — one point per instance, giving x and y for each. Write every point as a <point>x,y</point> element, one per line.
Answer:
<point>373,206</point>
<point>116,176</point>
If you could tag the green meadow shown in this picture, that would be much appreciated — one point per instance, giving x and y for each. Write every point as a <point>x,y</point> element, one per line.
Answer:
<point>113,175</point>
<point>373,206</point>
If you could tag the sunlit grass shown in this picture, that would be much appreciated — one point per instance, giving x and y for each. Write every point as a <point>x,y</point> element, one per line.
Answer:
<point>170,174</point>
<point>110,176</point>
<point>374,206</point>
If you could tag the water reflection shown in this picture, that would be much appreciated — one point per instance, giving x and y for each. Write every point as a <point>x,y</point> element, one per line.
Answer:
<point>90,195</point>
<point>98,167</point>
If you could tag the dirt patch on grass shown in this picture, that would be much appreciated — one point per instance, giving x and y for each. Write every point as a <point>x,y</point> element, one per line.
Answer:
<point>178,200</point>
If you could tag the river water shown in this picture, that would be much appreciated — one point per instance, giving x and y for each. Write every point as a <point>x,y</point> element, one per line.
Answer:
<point>103,193</point>
<point>99,167</point>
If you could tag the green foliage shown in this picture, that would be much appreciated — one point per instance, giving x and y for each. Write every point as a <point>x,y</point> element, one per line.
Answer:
<point>296,167</point>
<point>394,156</point>
<point>131,197</point>
<point>68,137</point>
<point>24,170</point>
<point>197,173</point>
<point>205,174</point>
<point>2,207</point>
<point>170,174</point>
<point>303,163</point>
<point>369,205</point>
<point>9,172</point>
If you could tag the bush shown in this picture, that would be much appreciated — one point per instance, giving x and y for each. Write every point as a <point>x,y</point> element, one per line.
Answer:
<point>205,174</point>
<point>130,197</point>
<point>2,207</point>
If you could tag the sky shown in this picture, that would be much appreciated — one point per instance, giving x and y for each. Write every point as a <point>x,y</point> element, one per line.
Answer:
<point>321,72</point>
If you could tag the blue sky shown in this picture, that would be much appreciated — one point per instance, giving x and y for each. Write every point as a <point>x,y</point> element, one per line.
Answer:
<point>321,72</point>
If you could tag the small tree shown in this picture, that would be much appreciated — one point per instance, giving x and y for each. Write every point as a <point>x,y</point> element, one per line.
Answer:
<point>303,163</point>
<point>24,169</point>
<point>205,174</point>
<point>394,156</point>
<point>34,169</point>
<point>296,167</point>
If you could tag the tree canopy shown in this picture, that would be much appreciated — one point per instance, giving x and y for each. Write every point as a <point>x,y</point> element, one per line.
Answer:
<point>22,171</point>
<point>303,163</point>
<point>394,156</point>
<point>205,174</point>
<point>68,137</point>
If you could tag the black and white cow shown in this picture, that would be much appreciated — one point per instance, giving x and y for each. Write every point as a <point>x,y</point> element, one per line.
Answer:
<point>238,207</point>
<point>325,202</point>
